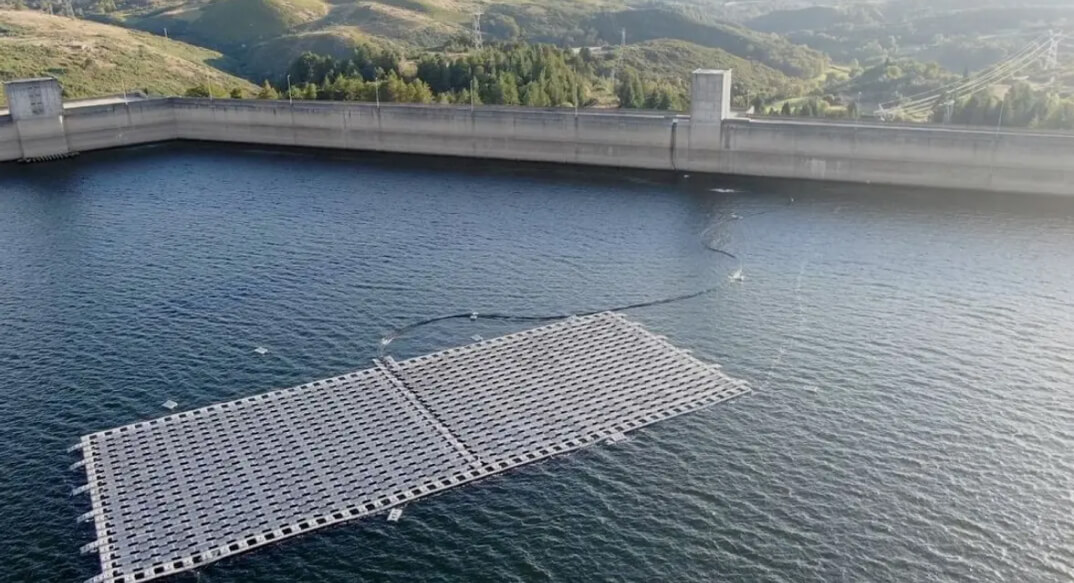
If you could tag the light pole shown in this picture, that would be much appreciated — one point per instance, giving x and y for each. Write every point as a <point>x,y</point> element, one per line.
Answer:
<point>290,98</point>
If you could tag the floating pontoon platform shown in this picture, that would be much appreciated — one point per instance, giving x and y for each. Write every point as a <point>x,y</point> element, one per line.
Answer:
<point>176,493</point>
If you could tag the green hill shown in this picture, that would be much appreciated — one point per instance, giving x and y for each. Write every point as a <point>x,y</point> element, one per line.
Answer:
<point>652,24</point>
<point>267,60</point>
<point>96,59</point>
<point>409,22</point>
<point>226,24</point>
<point>673,60</point>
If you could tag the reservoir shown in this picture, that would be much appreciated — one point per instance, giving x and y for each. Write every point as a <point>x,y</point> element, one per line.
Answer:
<point>911,354</point>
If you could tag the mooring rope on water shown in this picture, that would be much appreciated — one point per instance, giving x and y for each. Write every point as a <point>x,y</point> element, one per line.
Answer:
<point>399,332</point>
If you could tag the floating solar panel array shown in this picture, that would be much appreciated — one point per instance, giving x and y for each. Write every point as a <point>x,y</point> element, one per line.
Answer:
<point>176,493</point>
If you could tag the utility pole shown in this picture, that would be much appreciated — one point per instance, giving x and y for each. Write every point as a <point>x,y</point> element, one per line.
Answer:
<point>290,98</point>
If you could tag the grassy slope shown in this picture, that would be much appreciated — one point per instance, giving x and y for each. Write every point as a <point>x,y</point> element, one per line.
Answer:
<point>266,60</point>
<point>227,24</point>
<point>97,59</point>
<point>246,21</point>
<point>264,36</point>
<point>423,27</point>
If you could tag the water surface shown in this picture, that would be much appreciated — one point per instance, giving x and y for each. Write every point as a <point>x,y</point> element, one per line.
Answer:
<point>912,354</point>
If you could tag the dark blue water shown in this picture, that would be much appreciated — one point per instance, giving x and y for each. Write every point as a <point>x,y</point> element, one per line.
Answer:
<point>912,354</point>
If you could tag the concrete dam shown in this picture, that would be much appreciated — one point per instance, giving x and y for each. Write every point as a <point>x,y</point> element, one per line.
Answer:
<point>40,126</point>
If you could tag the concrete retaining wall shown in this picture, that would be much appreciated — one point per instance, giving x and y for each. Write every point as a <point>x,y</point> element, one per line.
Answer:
<point>882,154</point>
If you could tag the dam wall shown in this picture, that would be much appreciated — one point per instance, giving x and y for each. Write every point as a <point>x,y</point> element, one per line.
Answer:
<point>711,139</point>
<point>10,147</point>
<point>553,135</point>
<point>115,125</point>
<point>943,157</point>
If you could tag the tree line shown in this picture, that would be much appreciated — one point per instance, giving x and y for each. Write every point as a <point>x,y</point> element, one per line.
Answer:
<point>1022,106</point>
<point>513,74</point>
<point>532,75</point>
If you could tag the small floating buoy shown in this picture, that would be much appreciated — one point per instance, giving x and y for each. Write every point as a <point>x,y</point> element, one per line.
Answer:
<point>395,515</point>
<point>169,404</point>
<point>473,315</point>
<point>261,350</point>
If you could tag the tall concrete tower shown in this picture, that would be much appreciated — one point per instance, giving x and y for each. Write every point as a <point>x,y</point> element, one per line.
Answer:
<point>710,105</point>
<point>37,109</point>
<point>710,96</point>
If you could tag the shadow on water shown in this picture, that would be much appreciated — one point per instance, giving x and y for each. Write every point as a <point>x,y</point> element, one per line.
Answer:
<point>702,185</point>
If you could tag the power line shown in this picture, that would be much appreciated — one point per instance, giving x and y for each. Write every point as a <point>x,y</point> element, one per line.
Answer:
<point>1046,46</point>
<point>1009,69</point>
<point>1032,46</point>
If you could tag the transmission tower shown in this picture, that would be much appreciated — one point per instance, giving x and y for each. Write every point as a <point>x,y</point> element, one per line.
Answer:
<point>619,57</point>
<point>478,42</point>
<point>948,110</point>
<point>1051,56</point>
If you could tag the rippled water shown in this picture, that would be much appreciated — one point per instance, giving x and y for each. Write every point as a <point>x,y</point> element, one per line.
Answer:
<point>912,354</point>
